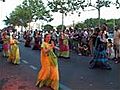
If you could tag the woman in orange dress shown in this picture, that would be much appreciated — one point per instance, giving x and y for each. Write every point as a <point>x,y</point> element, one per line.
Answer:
<point>48,75</point>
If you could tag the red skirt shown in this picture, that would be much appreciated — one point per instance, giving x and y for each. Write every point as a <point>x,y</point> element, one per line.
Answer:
<point>6,47</point>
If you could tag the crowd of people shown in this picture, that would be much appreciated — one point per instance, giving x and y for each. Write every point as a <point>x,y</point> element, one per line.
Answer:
<point>10,46</point>
<point>88,42</point>
<point>82,42</point>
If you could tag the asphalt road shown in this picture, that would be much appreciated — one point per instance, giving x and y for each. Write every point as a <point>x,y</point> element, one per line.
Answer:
<point>74,73</point>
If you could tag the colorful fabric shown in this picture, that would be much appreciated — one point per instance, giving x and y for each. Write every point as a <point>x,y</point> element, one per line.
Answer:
<point>100,53</point>
<point>14,55</point>
<point>64,54</point>
<point>64,47</point>
<point>100,57</point>
<point>48,74</point>
<point>53,58</point>
<point>63,43</point>
<point>6,46</point>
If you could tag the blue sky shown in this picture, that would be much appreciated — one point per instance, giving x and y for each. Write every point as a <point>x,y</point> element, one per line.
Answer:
<point>107,13</point>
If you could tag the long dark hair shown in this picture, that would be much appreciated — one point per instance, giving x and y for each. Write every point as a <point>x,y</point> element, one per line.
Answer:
<point>97,31</point>
<point>46,36</point>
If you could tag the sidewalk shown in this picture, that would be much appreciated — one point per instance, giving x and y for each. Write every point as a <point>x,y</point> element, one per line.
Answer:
<point>17,77</point>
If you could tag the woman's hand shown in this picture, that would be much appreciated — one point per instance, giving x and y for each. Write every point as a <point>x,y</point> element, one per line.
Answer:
<point>57,48</point>
<point>52,44</point>
<point>46,50</point>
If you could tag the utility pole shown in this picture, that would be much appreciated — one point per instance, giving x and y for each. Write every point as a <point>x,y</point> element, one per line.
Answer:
<point>114,23</point>
<point>73,24</point>
<point>62,20</point>
<point>62,16</point>
<point>99,12</point>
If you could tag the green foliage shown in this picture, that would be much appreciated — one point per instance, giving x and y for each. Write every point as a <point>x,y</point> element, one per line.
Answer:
<point>59,27</point>
<point>117,22</point>
<point>28,11</point>
<point>65,6</point>
<point>92,22</point>
<point>38,10</point>
<point>33,10</point>
<point>80,25</point>
<point>117,4</point>
<point>102,3</point>
<point>58,6</point>
<point>7,21</point>
<point>48,27</point>
<point>110,23</point>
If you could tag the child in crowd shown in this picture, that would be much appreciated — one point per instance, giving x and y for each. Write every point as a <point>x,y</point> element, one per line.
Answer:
<point>86,51</point>
<point>83,49</point>
<point>80,48</point>
<point>110,49</point>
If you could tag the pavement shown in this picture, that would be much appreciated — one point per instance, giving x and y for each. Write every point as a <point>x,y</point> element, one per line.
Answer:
<point>17,77</point>
<point>74,73</point>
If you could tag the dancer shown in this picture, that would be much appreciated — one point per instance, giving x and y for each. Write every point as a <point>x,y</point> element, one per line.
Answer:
<point>14,55</point>
<point>100,55</point>
<point>48,74</point>
<point>6,45</point>
<point>64,46</point>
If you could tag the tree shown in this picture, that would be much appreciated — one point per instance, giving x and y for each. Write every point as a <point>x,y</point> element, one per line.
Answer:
<point>7,21</point>
<point>66,6</point>
<point>90,23</point>
<point>61,27</point>
<point>99,4</point>
<point>80,25</point>
<point>28,11</point>
<point>48,27</point>
<point>37,10</point>
<point>117,4</point>
<point>110,23</point>
<point>117,22</point>
<point>93,22</point>
<point>19,17</point>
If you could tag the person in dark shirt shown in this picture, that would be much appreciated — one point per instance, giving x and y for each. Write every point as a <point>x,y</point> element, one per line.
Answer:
<point>100,58</point>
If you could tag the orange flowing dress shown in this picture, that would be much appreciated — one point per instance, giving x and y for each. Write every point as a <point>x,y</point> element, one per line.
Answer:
<point>48,74</point>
